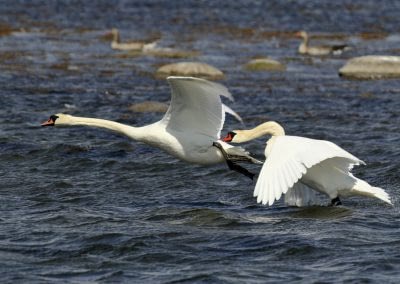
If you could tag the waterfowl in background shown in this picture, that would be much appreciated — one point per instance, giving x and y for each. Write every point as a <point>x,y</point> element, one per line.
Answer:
<point>190,129</point>
<point>318,50</point>
<point>129,46</point>
<point>299,164</point>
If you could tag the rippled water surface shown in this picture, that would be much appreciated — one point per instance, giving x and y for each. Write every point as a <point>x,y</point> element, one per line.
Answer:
<point>83,205</point>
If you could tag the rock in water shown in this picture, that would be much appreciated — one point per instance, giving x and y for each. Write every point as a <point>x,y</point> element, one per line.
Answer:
<point>149,106</point>
<point>372,67</point>
<point>264,64</point>
<point>197,69</point>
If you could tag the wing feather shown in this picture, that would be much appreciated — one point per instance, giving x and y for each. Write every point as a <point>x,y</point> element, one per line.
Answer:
<point>227,109</point>
<point>282,182</point>
<point>300,195</point>
<point>289,159</point>
<point>271,192</point>
<point>278,191</point>
<point>196,106</point>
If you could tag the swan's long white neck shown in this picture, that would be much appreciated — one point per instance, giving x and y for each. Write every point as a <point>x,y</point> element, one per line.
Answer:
<point>115,34</point>
<point>304,45</point>
<point>305,40</point>
<point>136,133</point>
<point>267,128</point>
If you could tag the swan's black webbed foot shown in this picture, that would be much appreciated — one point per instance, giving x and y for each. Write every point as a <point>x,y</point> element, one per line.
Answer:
<point>336,202</point>
<point>232,166</point>
<point>237,168</point>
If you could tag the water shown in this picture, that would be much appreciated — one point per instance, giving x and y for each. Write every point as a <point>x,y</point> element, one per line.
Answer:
<point>84,205</point>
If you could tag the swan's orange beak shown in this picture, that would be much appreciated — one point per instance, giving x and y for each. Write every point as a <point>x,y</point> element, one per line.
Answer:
<point>298,34</point>
<point>49,122</point>
<point>228,137</point>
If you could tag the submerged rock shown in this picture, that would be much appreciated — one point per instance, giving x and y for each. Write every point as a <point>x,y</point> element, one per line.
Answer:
<point>372,67</point>
<point>5,30</point>
<point>264,64</point>
<point>197,69</point>
<point>170,52</point>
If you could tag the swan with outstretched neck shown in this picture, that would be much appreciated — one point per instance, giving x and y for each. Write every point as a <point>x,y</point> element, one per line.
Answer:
<point>190,129</point>
<point>318,50</point>
<point>296,165</point>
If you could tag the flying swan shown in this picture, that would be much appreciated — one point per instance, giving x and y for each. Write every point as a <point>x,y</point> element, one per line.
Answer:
<point>295,165</point>
<point>190,129</point>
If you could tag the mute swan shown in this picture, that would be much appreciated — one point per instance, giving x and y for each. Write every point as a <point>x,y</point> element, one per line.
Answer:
<point>296,164</point>
<point>189,130</point>
<point>134,45</point>
<point>304,48</point>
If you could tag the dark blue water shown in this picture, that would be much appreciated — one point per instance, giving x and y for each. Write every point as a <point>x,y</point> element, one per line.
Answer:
<point>82,205</point>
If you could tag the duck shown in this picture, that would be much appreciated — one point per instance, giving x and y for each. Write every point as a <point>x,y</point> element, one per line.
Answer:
<point>189,130</point>
<point>298,165</point>
<point>129,46</point>
<point>320,50</point>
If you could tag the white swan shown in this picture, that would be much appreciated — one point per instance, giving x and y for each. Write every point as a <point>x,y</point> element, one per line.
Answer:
<point>296,164</point>
<point>126,46</point>
<point>320,50</point>
<point>189,130</point>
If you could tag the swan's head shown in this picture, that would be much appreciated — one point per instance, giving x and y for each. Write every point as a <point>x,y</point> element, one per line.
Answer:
<point>235,136</point>
<point>57,119</point>
<point>267,128</point>
<point>115,34</point>
<point>229,137</point>
<point>302,34</point>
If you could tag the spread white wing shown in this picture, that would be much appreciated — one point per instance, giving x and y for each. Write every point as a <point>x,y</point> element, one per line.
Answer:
<point>300,195</point>
<point>289,159</point>
<point>196,106</point>
<point>227,109</point>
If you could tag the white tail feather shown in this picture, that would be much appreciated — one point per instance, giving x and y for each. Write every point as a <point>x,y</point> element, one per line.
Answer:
<point>381,194</point>
<point>363,188</point>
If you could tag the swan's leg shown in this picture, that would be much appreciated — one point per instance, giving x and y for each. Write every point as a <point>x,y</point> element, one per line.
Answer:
<point>336,201</point>
<point>232,166</point>
<point>237,168</point>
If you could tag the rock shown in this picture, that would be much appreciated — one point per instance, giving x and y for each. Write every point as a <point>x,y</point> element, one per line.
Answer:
<point>170,52</point>
<point>196,69</point>
<point>5,30</point>
<point>149,106</point>
<point>372,67</point>
<point>264,64</point>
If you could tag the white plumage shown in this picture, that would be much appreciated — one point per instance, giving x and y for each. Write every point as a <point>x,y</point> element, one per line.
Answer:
<point>318,50</point>
<point>298,165</point>
<point>188,129</point>
<point>131,45</point>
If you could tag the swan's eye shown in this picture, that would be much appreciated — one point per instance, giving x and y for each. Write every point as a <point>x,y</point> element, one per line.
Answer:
<point>54,117</point>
